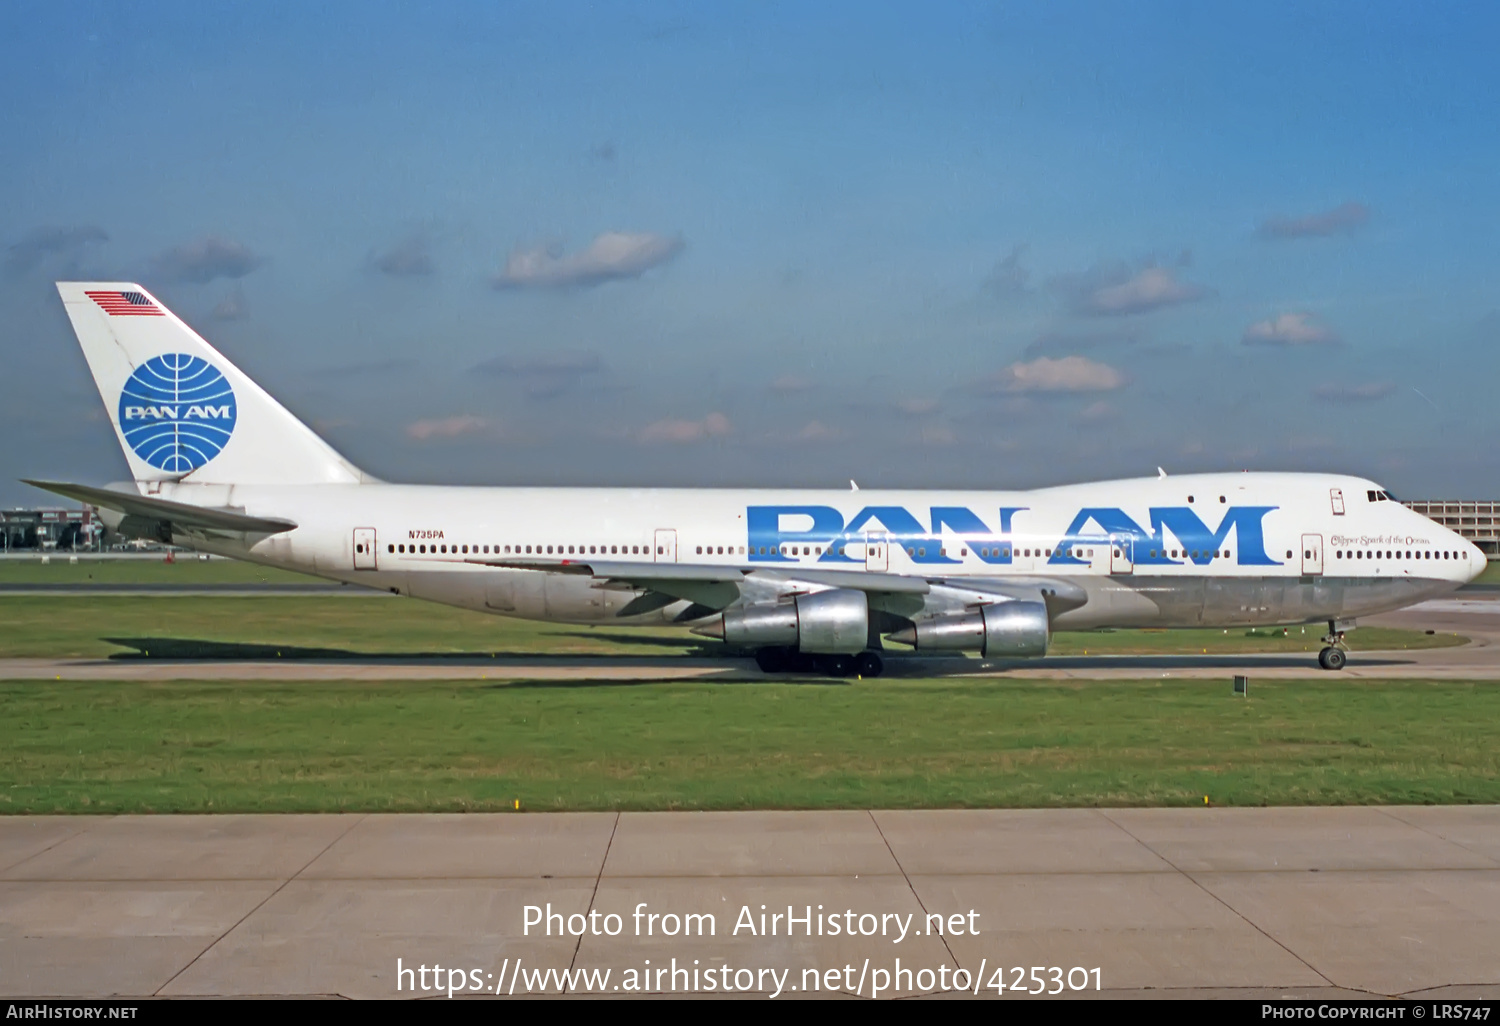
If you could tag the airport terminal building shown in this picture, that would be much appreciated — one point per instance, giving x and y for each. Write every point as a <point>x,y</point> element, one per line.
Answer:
<point>1475,521</point>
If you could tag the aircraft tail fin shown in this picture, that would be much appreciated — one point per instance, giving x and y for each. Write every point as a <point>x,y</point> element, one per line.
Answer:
<point>181,411</point>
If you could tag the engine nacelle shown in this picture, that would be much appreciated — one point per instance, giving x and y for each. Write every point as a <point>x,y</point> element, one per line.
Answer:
<point>1003,630</point>
<point>835,622</point>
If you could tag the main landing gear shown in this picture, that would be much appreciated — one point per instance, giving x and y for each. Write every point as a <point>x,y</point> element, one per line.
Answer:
<point>1333,656</point>
<point>787,660</point>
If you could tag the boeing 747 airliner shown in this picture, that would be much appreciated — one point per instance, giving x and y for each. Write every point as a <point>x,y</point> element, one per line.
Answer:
<point>805,579</point>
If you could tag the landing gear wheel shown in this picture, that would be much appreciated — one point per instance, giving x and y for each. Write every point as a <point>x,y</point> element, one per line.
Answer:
<point>839,666</point>
<point>869,664</point>
<point>1331,658</point>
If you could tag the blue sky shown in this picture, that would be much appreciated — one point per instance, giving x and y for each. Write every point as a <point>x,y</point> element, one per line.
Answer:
<point>982,245</point>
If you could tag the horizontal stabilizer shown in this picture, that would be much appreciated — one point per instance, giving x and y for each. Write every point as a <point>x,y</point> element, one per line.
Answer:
<point>179,514</point>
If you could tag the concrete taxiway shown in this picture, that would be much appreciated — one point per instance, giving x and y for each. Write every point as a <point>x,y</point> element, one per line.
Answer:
<point>1163,902</point>
<point>1476,617</point>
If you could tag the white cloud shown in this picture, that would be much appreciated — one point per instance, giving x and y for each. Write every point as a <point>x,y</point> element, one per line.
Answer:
<point>446,427</point>
<point>411,256</point>
<point>205,259</point>
<point>715,425</point>
<point>1289,329</point>
<point>817,431</point>
<point>1344,218</point>
<point>51,242</point>
<point>611,256</point>
<point>1069,374</point>
<point>1147,289</point>
<point>791,383</point>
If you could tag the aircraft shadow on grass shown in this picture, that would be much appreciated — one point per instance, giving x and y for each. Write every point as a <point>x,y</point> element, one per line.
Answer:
<point>167,649</point>
<point>901,665</point>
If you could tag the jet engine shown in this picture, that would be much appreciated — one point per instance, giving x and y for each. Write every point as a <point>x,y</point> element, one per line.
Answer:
<point>1005,629</point>
<point>834,622</point>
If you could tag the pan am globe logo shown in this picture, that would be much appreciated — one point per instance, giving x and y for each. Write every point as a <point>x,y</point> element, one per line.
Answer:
<point>177,412</point>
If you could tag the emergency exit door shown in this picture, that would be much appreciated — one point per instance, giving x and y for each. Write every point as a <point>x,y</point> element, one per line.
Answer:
<point>364,548</point>
<point>1312,554</point>
<point>877,552</point>
<point>1121,553</point>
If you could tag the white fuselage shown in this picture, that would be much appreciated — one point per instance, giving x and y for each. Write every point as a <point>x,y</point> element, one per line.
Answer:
<point>1208,549</point>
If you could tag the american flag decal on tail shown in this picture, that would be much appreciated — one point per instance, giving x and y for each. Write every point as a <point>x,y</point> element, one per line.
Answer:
<point>126,304</point>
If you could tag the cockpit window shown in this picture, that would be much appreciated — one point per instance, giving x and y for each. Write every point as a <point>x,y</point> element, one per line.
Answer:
<point>1380,495</point>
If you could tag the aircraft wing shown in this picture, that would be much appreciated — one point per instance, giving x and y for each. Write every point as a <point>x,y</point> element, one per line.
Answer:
<point>712,588</point>
<point>177,514</point>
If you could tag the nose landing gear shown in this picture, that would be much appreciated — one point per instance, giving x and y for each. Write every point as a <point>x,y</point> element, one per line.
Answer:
<point>1333,656</point>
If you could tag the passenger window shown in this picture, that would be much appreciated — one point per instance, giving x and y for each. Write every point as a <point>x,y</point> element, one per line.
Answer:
<point>390,548</point>
<point>1226,553</point>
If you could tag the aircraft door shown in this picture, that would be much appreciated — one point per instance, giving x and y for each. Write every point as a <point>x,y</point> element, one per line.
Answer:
<point>877,552</point>
<point>364,548</point>
<point>666,545</point>
<point>1121,553</point>
<point>1312,554</point>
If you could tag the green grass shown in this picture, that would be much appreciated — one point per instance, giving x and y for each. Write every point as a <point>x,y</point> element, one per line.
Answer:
<point>1491,574</point>
<point>77,626</point>
<point>186,571</point>
<point>302,747</point>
